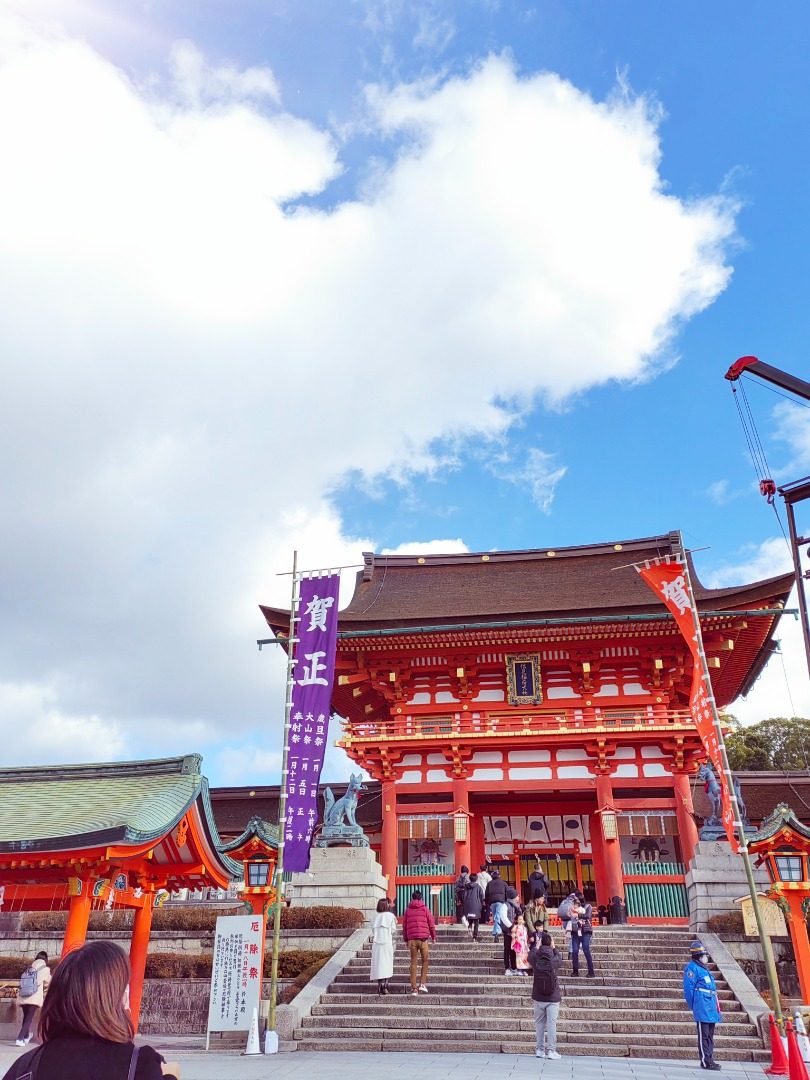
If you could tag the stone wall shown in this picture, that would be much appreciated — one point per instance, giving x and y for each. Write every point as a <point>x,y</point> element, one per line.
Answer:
<point>714,880</point>
<point>748,954</point>
<point>24,944</point>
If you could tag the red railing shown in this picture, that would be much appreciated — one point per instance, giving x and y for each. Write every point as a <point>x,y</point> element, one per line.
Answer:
<point>590,719</point>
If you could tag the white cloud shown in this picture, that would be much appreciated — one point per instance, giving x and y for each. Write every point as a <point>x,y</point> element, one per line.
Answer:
<point>200,83</point>
<point>538,474</point>
<point>783,689</point>
<point>187,356</point>
<point>793,429</point>
<point>721,493</point>
<point>428,547</point>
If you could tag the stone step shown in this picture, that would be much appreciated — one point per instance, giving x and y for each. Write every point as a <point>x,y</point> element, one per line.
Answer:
<point>463,984</point>
<point>583,1049</point>
<point>495,1025</point>
<point>661,1042</point>
<point>423,1010</point>
<point>618,1000</point>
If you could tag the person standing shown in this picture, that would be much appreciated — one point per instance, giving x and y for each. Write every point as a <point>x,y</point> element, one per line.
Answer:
<point>495,896</point>
<point>484,878</point>
<point>33,984</point>
<point>538,884</point>
<point>508,915</point>
<point>383,928</point>
<point>581,934</point>
<point>472,905</point>
<point>535,916</point>
<point>544,960</point>
<point>418,929</point>
<point>463,878</point>
<point>85,1024</point>
<point>700,994</point>
<point>520,945</point>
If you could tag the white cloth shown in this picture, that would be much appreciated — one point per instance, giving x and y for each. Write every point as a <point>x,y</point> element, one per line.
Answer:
<point>383,928</point>
<point>484,879</point>
<point>44,977</point>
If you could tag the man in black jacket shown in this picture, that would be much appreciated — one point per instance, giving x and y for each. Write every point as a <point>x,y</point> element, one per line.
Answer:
<point>538,884</point>
<point>544,960</point>
<point>495,897</point>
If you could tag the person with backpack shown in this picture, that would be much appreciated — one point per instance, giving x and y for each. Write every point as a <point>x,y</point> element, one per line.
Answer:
<point>507,916</point>
<point>85,1025</point>
<point>544,960</point>
<point>33,984</point>
<point>565,912</point>
<point>472,905</point>
<point>581,923</point>
<point>495,896</point>
<point>463,878</point>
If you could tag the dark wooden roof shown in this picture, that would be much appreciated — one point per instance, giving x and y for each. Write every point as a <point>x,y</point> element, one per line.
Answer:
<point>590,580</point>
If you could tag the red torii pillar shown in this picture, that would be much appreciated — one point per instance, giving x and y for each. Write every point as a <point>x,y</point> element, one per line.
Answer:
<point>390,840</point>
<point>138,948</point>
<point>611,847</point>
<point>78,918</point>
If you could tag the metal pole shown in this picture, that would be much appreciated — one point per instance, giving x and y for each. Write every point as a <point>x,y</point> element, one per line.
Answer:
<point>794,546</point>
<point>728,779</point>
<point>282,797</point>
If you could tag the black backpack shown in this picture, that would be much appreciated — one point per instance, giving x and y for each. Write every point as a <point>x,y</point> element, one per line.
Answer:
<point>545,977</point>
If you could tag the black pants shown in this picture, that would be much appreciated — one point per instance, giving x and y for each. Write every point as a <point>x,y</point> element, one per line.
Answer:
<point>29,1014</point>
<point>509,958</point>
<point>472,922</point>
<point>705,1034</point>
<point>581,941</point>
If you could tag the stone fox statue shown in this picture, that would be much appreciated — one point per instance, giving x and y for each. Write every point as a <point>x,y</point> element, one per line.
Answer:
<point>335,812</point>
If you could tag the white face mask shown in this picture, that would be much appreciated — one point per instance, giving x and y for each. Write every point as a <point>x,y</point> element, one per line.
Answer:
<point>701,958</point>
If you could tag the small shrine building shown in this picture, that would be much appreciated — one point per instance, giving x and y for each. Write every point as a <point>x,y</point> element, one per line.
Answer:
<point>525,706</point>
<point>79,838</point>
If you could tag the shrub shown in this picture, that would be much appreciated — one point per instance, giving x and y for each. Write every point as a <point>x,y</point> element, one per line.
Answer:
<point>321,917</point>
<point>11,967</point>
<point>729,923</point>
<point>295,962</point>
<point>178,966</point>
<point>301,981</point>
<point>192,918</point>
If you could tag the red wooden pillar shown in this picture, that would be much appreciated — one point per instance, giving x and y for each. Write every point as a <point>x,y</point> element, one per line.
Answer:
<point>78,918</point>
<point>798,934</point>
<point>478,852</point>
<point>687,830</point>
<point>598,855</point>
<point>612,849</point>
<point>390,841</point>
<point>139,946</point>
<point>461,801</point>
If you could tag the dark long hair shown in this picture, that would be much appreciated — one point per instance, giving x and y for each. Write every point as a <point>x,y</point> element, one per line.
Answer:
<point>86,995</point>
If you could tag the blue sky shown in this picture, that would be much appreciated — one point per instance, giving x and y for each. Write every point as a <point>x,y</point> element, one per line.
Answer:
<point>331,275</point>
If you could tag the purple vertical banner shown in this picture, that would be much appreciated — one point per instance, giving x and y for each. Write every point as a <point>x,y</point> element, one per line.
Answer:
<point>313,675</point>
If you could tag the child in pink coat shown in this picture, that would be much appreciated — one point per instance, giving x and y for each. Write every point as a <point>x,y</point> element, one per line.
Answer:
<point>520,945</point>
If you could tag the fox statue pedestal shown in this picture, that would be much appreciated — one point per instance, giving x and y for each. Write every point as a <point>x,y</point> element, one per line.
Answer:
<point>339,877</point>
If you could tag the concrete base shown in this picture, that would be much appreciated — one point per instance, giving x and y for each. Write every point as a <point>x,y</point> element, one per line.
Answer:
<point>340,877</point>
<point>715,879</point>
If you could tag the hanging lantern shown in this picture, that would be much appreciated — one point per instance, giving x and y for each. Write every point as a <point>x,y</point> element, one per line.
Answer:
<point>460,825</point>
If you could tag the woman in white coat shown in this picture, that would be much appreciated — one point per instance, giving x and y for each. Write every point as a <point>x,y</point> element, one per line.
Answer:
<point>33,984</point>
<point>383,929</point>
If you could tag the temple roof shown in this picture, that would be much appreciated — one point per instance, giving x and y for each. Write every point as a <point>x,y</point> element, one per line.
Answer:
<point>589,580</point>
<point>131,803</point>
<point>256,829</point>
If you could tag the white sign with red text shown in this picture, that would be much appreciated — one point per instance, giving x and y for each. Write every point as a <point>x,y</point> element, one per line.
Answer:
<point>236,972</point>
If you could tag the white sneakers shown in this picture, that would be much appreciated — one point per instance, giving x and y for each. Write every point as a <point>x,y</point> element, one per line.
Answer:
<point>552,1055</point>
<point>23,1042</point>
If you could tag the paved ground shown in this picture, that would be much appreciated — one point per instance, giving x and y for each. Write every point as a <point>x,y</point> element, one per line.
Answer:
<point>394,1066</point>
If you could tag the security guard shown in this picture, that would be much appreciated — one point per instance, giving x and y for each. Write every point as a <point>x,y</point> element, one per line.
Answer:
<point>700,992</point>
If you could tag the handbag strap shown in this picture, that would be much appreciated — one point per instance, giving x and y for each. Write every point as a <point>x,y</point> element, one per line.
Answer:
<point>133,1062</point>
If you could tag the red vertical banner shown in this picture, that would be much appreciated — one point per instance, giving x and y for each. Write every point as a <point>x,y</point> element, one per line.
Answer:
<point>668,581</point>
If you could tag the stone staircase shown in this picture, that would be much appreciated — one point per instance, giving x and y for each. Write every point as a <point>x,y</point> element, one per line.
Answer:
<point>633,1008</point>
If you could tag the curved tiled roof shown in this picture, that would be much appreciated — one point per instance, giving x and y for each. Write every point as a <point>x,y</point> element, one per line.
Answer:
<point>63,807</point>
<point>595,579</point>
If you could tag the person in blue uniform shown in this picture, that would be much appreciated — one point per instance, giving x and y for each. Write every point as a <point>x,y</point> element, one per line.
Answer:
<point>700,992</point>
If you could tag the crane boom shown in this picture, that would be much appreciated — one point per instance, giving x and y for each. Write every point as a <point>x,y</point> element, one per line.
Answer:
<point>754,366</point>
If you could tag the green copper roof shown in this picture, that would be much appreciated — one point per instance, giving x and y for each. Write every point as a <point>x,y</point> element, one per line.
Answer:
<point>51,809</point>
<point>255,827</point>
